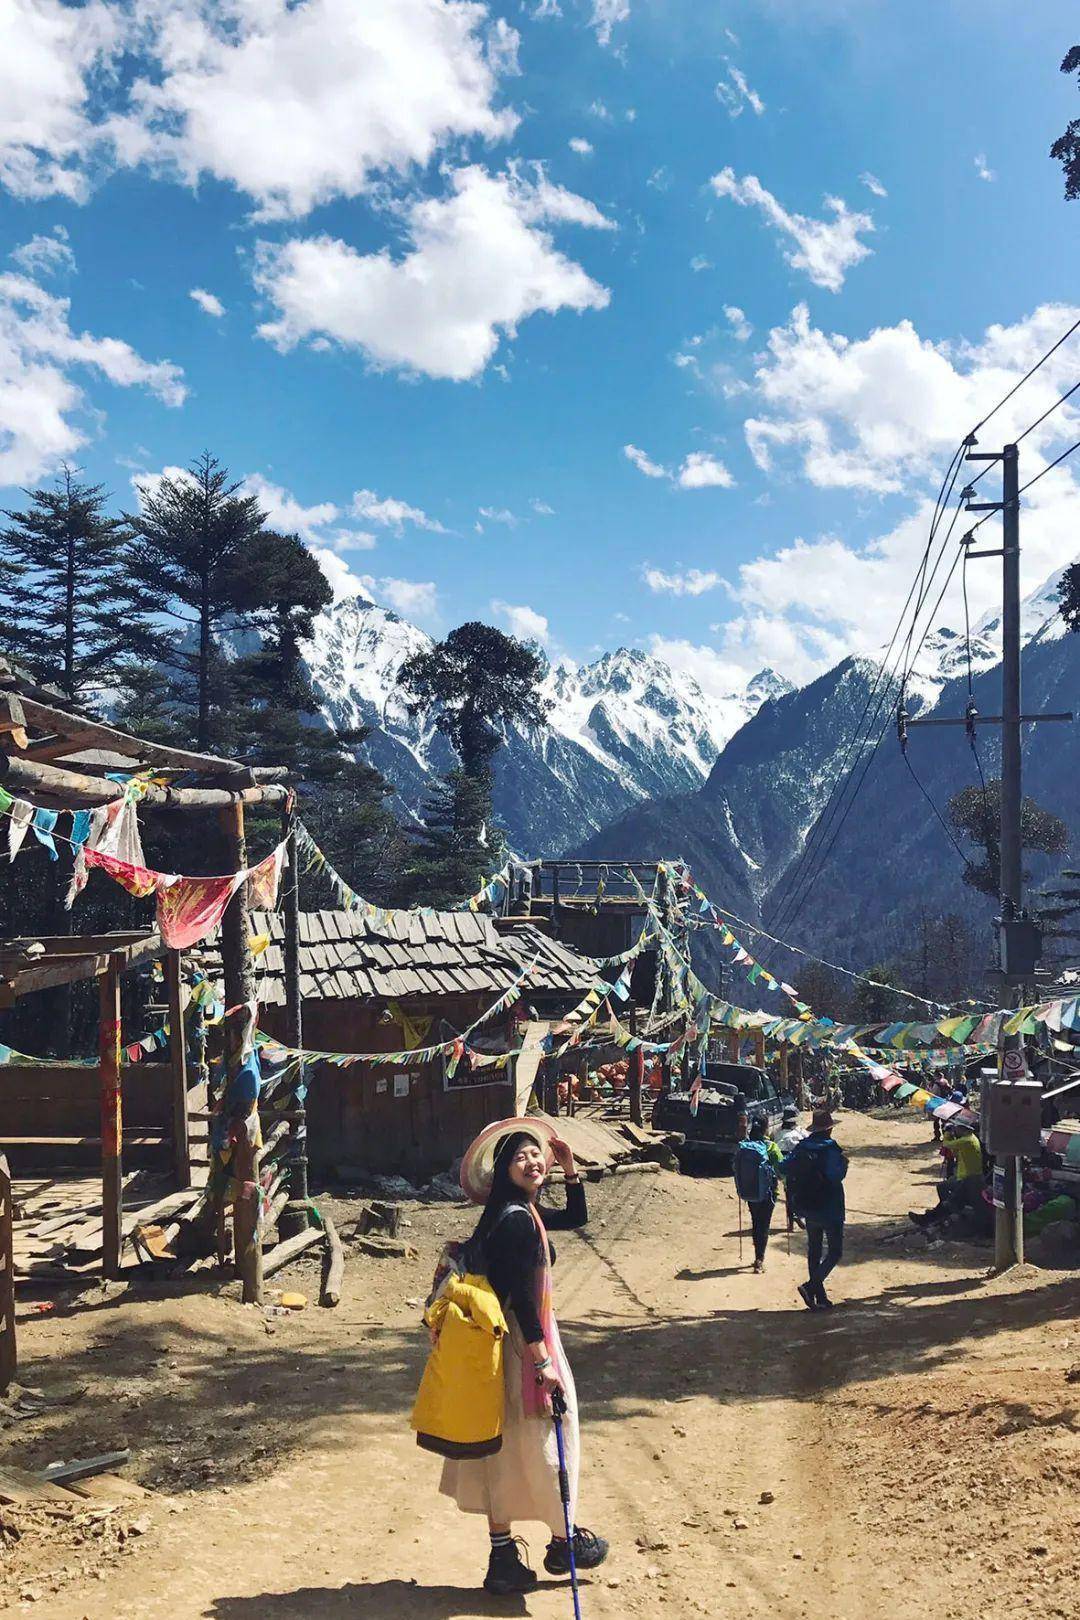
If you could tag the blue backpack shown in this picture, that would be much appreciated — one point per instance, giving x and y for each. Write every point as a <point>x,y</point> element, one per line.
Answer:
<point>755,1178</point>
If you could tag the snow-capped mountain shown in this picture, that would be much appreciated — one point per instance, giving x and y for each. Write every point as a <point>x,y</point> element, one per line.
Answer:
<point>620,730</point>
<point>746,828</point>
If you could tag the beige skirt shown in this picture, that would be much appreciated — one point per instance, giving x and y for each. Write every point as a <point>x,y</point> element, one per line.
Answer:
<point>520,1483</point>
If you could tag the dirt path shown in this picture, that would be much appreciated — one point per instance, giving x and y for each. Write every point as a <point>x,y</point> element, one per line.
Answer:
<point>885,1432</point>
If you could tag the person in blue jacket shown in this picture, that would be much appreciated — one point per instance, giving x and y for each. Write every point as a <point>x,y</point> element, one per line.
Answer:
<point>814,1173</point>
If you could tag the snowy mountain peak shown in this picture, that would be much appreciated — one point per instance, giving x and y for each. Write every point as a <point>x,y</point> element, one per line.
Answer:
<point>620,729</point>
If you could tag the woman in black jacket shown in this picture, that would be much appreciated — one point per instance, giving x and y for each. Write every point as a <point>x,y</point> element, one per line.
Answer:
<point>521,1481</point>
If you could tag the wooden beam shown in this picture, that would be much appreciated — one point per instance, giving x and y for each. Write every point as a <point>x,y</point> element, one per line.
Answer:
<point>238,970</point>
<point>56,787</point>
<point>112,1121</point>
<point>121,742</point>
<point>50,972</point>
<point>9,1360</point>
<point>178,1068</point>
<point>44,749</point>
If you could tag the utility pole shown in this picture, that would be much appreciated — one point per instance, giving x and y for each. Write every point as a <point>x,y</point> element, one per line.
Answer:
<point>1010,1111</point>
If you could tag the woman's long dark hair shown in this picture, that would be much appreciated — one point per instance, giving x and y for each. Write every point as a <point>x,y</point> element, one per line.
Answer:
<point>503,1190</point>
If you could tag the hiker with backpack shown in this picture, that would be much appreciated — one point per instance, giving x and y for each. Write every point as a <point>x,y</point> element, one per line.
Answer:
<point>754,1167</point>
<point>505,1169</point>
<point>814,1174</point>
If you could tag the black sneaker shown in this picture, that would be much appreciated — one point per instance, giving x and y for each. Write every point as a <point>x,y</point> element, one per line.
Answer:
<point>589,1552</point>
<point>807,1297</point>
<point>824,1303</point>
<point>507,1570</point>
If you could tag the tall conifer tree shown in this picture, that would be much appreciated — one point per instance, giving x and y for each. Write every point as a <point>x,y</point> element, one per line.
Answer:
<point>71,609</point>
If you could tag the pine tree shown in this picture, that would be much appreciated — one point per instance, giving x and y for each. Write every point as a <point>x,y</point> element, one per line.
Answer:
<point>476,682</point>
<point>190,535</point>
<point>71,609</point>
<point>451,854</point>
<point>976,812</point>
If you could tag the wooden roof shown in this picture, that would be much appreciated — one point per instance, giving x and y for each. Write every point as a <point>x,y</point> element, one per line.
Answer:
<point>57,758</point>
<point>346,957</point>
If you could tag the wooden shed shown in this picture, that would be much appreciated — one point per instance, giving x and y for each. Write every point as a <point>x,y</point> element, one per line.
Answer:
<point>405,980</point>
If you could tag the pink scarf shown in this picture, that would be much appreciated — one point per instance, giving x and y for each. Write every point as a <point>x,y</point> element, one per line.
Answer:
<point>533,1399</point>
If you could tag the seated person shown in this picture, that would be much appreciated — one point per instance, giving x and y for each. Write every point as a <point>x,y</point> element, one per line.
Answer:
<point>960,1191</point>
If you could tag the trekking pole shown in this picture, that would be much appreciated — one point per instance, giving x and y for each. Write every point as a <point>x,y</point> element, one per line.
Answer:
<point>558,1412</point>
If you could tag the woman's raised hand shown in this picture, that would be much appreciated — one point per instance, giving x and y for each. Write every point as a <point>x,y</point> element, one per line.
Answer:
<point>563,1155</point>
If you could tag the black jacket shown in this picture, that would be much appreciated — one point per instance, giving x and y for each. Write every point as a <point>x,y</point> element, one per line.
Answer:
<point>513,1254</point>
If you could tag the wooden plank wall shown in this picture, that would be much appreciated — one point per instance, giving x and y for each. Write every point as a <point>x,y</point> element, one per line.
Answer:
<point>354,1119</point>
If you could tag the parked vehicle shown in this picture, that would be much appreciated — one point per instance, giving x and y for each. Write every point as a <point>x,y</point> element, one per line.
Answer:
<point>732,1096</point>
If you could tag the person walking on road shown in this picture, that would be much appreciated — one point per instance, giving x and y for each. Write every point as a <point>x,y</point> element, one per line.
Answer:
<point>754,1168</point>
<point>791,1134</point>
<point>814,1174</point>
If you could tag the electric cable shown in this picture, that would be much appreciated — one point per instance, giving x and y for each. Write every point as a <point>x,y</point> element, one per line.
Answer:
<point>881,683</point>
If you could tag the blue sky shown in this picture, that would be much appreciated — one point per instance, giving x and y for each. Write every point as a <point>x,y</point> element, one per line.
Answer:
<point>649,387</point>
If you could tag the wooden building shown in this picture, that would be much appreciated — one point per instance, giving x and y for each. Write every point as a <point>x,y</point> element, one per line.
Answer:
<point>412,979</point>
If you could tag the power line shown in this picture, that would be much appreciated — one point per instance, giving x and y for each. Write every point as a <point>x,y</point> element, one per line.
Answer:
<point>800,890</point>
<point>1004,400</point>
<point>881,681</point>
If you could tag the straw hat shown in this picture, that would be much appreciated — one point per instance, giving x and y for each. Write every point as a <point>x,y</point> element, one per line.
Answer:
<point>822,1120</point>
<point>478,1165</point>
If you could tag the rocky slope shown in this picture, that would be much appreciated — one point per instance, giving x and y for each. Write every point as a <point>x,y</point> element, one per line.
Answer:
<point>745,829</point>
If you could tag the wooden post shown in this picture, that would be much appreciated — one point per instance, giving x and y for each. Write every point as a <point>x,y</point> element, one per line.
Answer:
<point>294,1217</point>
<point>112,1120</point>
<point>635,1073</point>
<point>239,975</point>
<point>9,1360</point>
<point>733,1045</point>
<point>759,1048</point>
<point>784,1050</point>
<point>178,1068</point>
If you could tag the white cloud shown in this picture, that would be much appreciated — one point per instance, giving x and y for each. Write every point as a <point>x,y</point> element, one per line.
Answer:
<point>661,178</point>
<point>207,301</point>
<point>881,412</point>
<point>317,525</point>
<point>741,329</point>
<point>700,262</point>
<point>581,146</point>
<point>499,514</point>
<point>40,400</point>
<point>45,255</point>
<point>49,56</point>
<point>541,508</point>
<point>872,183</point>
<point>601,110</point>
<point>702,471</point>
<point>736,94</point>
<point>885,413</point>
<point>292,103</point>
<point>642,462</point>
<point>982,168</point>
<point>718,677</point>
<point>826,249</point>
<point>389,513</point>
<point>547,8</point>
<point>693,582</point>
<point>606,15</point>
<point>524,622</point>
<point>409,597</point>
<point>698,470</point>
<point>479,263</point>
<point>295,104</point>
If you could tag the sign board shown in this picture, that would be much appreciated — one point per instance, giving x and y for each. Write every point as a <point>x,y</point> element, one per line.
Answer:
<point>999,1187</point>
<point>401,1085</point>
<point>382,1085</point>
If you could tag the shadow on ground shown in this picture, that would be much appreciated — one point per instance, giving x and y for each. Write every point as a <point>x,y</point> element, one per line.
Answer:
<point>377,1600</point>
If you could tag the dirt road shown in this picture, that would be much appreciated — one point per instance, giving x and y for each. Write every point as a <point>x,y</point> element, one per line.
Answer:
<point>913,1454</point>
